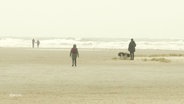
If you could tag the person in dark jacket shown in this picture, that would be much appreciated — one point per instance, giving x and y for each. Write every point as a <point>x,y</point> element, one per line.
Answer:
<point>38,43</point>
<point>131,49</point>
<point>74,54</point>
<point>33,42</point>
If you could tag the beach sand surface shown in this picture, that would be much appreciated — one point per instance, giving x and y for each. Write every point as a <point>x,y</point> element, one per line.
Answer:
<point>46,76</point>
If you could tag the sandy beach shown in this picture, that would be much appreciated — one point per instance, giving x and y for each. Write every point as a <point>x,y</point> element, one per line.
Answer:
<point>46,76</point>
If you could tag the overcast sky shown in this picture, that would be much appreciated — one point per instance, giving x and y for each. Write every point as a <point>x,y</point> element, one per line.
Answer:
<point>92,18</point>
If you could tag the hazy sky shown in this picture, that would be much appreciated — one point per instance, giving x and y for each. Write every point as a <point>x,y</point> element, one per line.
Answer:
<point>99,18</point>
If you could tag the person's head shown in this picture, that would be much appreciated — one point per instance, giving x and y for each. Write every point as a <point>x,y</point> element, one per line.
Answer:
<point>74,46</point>
<point>132,39</point>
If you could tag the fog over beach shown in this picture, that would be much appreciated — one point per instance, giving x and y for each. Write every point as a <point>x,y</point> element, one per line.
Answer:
<point>102,30</point>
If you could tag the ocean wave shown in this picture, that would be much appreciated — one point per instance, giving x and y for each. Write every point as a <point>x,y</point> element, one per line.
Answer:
<point>109,43</point>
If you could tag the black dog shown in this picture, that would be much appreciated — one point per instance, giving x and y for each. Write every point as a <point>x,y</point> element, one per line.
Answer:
<point>123,55</point>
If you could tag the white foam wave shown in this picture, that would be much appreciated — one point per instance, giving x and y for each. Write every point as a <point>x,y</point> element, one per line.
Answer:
<point>110,43</point>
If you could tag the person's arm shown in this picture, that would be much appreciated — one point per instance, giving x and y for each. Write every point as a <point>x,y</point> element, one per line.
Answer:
<point>129,47</point>
<point>135,44</point>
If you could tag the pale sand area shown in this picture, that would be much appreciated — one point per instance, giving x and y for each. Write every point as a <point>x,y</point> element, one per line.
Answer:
<point>45,76</point>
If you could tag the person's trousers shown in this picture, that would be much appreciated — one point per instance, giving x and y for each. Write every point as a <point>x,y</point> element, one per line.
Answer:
<point>131,55</point>
<point>74,61</point>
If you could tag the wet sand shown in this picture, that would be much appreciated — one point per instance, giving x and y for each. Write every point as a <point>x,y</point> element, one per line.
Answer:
<point>45,76</point>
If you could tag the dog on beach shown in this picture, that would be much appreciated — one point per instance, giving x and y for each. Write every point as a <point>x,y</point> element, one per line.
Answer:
<point>123,55</point>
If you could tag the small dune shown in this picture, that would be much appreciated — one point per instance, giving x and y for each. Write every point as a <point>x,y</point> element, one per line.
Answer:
<point>160,60</point>
<point>117,58</point>
<point>167,55</point>
<point>114,58</point>
<point>164,60</point>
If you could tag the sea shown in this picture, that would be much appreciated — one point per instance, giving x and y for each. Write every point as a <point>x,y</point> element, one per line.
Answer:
<point>93,42</point>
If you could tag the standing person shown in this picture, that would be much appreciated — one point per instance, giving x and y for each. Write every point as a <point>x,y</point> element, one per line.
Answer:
<point>131,49</point>
<point>33,42</point>
<point>74,54</point>
<point>38,43</point>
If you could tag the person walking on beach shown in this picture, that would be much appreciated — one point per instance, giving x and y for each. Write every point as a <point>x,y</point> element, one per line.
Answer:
<point>131,49</point>
<point>33,42</point>
<point>38,43</point>
<point>74,54</point>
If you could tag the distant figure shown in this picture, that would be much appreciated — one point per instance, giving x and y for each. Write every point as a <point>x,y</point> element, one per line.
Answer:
<point>38,43</point>
<point>74,54</point>
<point>131,49</point>
<point>33,42</point>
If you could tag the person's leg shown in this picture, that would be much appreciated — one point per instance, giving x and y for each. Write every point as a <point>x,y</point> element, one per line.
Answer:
<point>133,56</point>
<point>75,61</point>
<point>130,56</point>
<point>72,61</point>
